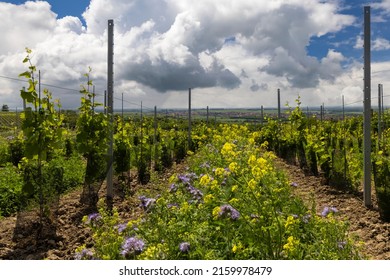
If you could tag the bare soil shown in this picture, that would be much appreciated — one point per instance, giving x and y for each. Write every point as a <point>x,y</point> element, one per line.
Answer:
<point>59,239</point>
<point>364,223</point>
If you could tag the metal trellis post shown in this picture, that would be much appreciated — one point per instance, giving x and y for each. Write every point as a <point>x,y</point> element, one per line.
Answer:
<point>110,109</point>
<point>367,109</point>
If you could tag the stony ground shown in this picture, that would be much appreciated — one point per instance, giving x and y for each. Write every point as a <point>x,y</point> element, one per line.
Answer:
<point>68,232</point>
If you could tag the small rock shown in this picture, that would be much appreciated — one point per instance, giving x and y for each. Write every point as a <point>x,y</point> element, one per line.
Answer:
<point>31,257</point>
<point>30,248</point>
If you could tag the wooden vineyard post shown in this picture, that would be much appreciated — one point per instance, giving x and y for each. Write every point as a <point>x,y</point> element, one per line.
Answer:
<point>110,109</point>
<point>367,110</point>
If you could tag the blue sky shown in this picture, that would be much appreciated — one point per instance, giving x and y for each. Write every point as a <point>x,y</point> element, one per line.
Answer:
<point>63,7</point>
<point>233,53</point>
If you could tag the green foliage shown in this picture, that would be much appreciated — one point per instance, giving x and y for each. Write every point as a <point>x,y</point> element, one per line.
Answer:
<point>42,135</point>
<point>10,189</point>
<point>73,171</point>
<point>122,147</point>
<point>4,152</point>
<point>16,151</point>
<point>382,186</point>
<point>92,136</point>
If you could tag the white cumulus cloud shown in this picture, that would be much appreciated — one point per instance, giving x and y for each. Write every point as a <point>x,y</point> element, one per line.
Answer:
<point>233,53</point>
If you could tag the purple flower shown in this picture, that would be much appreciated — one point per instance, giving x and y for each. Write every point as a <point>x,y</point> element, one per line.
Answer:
<point>93,218</point>
<point>228,211</point>
<point>121,227</point>
<point>173,188</point>
<point>84,254</point>
<point>170,205</point>
<point>146,203</point>
<point>196,193</point>
<point>192,175</point>
<point>205,165</point>
<point>341,244</point>
<point>294,184</point>
<point>132,246</point>
<point>327,210</point>
<point>184,247</point>
<point>184,179</point>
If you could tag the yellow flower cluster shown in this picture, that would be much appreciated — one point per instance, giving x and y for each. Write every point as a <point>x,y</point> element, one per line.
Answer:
<point>290,221</point>
<point>233,166</point>
<point>291,244</point>
<point>156,252</point>
<point>208,198</point>
<point>234,201</point>
<point>252,184</point>
<point>205,180</point>
<point>219,171</point>
<point>237,247</point>
<point>228,151</point>
<point>214,185</point>
<point>260,166</point>
<point>216,212</point>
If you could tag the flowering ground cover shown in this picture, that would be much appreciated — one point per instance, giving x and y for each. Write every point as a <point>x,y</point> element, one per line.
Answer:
<point>231,203</point>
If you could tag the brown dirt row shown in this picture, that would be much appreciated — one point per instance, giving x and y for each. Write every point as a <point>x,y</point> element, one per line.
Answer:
<point>364,223</point>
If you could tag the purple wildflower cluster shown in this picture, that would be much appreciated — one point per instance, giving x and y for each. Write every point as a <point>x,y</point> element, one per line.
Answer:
<point>227,210</point>
<point>184,247</point>
<point>132,246</point>
<point>121,227</point>
<point>146,203</point>
<point>84,254</point>
<point>197,195</point>
<point>327,210</point>
<point>184,178</point>
<point>341,244</point>
<point>173,188</point>
<point>294,184</point>
<point>93,219</point>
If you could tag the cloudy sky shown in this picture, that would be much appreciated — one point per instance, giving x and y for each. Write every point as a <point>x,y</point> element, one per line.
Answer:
<point>232,53</point>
